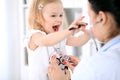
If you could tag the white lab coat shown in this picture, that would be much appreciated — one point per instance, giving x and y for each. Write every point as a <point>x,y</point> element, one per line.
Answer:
<point>104,65</point>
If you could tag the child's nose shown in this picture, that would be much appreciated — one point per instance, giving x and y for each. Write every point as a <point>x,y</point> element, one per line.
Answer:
<point>59,19</point>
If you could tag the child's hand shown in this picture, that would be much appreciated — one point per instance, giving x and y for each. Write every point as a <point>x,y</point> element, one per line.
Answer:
<point>78,25</point>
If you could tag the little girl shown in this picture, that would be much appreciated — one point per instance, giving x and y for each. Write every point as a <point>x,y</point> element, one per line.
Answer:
<point>46,36</point>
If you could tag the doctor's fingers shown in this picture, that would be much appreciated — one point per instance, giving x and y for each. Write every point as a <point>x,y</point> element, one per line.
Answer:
<point>71,67</point>
<point>73,59</point>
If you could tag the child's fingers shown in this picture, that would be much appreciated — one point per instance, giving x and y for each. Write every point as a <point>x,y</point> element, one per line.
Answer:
<point>79,20</point>
<point>53,60</point>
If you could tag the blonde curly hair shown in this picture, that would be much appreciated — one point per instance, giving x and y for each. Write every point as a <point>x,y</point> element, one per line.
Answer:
<point>35,16</point>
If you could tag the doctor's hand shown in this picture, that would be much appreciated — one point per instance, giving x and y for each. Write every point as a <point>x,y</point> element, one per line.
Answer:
<point>73,62</point>
<point>55,72</point>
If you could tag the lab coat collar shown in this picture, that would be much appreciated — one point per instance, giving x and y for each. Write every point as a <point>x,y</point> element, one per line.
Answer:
<point>110,44</point>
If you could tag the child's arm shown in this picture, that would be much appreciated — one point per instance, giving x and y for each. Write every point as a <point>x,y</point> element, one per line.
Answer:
<point>38,39</point>
<point>50,39</point>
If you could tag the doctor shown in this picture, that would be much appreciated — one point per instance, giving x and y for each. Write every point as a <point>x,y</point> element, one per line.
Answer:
<point>105,64</point>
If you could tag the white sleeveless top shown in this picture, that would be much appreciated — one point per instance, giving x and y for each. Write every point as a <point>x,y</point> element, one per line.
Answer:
<point>38,60</point>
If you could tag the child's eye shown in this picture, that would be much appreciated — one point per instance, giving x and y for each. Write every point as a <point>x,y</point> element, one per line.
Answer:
<point>61,15</point>
<point>53,15</point>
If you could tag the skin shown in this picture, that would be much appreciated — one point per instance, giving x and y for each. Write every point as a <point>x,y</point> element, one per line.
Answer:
<point>53,15</point>
<point>102,29</point>
<point>54,68</point>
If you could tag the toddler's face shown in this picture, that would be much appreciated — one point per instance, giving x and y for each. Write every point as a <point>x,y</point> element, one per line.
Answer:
<point>53,15</point>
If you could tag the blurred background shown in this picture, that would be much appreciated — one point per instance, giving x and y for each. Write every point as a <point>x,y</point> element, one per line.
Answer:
<point>13,24</point>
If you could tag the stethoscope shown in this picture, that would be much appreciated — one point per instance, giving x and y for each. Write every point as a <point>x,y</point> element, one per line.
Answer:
<point>92,35</point>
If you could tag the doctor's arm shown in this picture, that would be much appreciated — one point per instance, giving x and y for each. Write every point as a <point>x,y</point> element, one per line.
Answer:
<point>79,40</point>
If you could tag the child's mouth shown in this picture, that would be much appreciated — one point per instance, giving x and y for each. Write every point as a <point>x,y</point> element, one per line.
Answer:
<point>56,27</point>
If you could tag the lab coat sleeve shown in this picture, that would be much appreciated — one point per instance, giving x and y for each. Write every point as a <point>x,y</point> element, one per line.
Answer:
<point>83,71</point>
